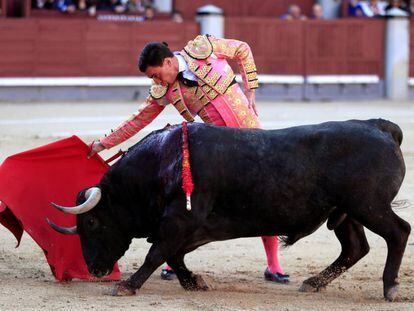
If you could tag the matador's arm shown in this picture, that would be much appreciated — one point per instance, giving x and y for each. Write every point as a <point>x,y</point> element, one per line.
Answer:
<point>241,52</point>
<point>147,112</point>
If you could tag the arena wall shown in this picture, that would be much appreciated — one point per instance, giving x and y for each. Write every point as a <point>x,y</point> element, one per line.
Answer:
<point>337,47</point>
<point>3,4</point>
<point>412,48</point>
<point>81,47</point>
<point>86,47</point>
<point>310,59</point>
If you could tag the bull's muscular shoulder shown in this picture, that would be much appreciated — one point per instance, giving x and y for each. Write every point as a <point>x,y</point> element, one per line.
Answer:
<point>199,48</point>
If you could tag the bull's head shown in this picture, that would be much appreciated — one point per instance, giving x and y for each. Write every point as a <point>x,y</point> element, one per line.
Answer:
<point>101,234</point>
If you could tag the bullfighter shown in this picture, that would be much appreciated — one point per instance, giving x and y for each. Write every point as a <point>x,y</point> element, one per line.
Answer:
<point>199,81</point>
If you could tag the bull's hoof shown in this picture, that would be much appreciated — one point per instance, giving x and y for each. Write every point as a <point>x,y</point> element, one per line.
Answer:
<point>196,283</point>
<point>308,287</point>
<point>123,289</point>
<point>391,293</point>
<point>201,283</point>
<point>313,284</point>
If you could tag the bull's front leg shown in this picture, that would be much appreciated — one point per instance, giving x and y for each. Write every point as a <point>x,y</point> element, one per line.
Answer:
<point>153,260</point>
<point>188,280</point>
<point>170,238</point>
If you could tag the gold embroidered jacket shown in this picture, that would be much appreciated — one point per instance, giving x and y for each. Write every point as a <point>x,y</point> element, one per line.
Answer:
<point>205,56</point>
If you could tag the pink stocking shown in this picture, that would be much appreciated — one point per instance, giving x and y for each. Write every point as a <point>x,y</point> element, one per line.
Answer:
<point>271,244</point>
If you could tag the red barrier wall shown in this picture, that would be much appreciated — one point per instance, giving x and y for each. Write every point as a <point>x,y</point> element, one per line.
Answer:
<point>349,46</point>
<point>246,8</point>
<point>15,8</point>
<point>81,47</point>
<point>87,47</point>
<point>3,9</point>
<point>312,47</point>
<point>412,47</point>
<point>278,46</point>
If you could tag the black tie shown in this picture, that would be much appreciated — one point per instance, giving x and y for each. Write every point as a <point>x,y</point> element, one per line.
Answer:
<point>186,82</point>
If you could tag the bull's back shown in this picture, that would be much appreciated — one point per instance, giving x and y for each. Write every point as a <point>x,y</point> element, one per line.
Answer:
<point>304,158</point>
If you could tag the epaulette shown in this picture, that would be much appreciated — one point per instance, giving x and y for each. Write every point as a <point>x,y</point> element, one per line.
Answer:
<point>199,48</point>
<point>158,91</point>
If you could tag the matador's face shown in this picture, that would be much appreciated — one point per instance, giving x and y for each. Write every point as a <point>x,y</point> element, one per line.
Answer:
<point>164,74</point>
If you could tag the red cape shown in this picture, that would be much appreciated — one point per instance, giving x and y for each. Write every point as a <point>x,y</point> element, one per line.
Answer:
<point>30,181</point>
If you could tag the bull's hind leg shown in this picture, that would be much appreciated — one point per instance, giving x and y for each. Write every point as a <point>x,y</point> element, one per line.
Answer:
<point>188,280</point>
<point>395,232</point>
<point>354,246</point>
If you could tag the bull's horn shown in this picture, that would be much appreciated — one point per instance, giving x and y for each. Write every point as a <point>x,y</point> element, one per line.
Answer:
<point>64,230</point>
<point>92,195</point>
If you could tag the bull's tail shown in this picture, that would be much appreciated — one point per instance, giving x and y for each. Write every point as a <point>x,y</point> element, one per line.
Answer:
<point>389,127</point>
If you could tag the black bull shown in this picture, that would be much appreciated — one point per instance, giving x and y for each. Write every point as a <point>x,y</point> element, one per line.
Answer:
<point>249,182</point>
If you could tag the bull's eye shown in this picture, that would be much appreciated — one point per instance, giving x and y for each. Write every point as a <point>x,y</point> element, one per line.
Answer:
<point>92,223</point>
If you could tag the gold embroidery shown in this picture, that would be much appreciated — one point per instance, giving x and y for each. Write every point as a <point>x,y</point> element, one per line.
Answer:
<point>183,110</point>
<point>192,65</point>
<point>180,107</point>
<point>177,101</point>
<point>238,103</point>
<point>158,91</point>
<point>206,88</point>
<point>213,78</point>
<point>204,100</point>
<point>200,71</point>
<point>204,116</point>
<point>203,71</point>
<point>253,84</point>
<point>251,76</point>
<point>199,48</point>
<point>198,93</point>
<point>175,96</point>
<point>213,94</point>
<point>250,67</point>
<point>225,83</point>
<point>187,115</point>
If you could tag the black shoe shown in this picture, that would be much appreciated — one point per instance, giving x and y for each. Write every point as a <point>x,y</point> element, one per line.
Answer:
<point>276,277</point>
<point>168,275</point>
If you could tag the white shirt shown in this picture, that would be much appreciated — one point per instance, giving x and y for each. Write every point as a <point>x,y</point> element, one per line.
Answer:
<point>183,67</point>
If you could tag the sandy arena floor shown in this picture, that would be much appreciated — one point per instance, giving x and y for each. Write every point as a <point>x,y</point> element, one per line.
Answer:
<point>234,268</point>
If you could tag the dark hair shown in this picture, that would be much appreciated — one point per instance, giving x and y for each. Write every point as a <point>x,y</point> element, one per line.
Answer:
<point>153,54</point>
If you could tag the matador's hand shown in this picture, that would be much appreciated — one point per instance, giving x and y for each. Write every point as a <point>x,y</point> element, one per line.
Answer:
<point>96,147</point>
<point>251,97</point>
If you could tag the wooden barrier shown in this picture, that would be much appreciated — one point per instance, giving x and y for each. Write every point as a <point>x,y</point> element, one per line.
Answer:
<point>337,47</point>
<point>3,8</point>
<point>15,8</point>
<point>88,47</point>
<point>349,46</point>
<point>245,8</point>
<point>27,7</point>
<point>278,46</point>
<point>411,47</point>
<point>81,47</point>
